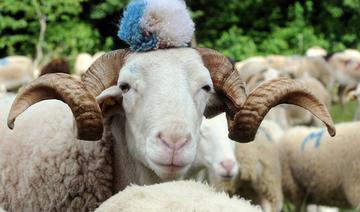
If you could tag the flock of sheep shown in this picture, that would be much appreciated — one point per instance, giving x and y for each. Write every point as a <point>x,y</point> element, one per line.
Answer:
<point>148,128</point>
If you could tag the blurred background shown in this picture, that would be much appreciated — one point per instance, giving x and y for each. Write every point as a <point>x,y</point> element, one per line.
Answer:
<point>41,31</point>
<point>239,28</point>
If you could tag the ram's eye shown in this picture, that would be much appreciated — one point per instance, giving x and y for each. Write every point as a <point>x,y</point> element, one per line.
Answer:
<point>206,88</point>
<point>125,87</point>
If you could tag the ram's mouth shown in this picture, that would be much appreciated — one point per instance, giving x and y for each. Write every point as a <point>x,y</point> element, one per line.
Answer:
<point>170,167</point>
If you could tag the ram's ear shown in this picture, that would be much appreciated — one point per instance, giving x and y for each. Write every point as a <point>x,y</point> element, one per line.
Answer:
<point>110,100</point>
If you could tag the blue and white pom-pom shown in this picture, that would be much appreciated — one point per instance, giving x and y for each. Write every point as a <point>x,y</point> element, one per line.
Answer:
<point>154,24</point>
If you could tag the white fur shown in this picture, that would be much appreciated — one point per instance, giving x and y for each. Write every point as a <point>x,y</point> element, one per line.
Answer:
<point>84,60</point>
<point>165,96</point>
<point>259,177</point>
<point>316,51</point>
<point>326,172</point>
<point>82,63</point>
<point>151,106</point>
<point>18,71</point>
<point>174,196</point>
<point>215,148</point>
<point>170,20</point>
<point>315,208</point>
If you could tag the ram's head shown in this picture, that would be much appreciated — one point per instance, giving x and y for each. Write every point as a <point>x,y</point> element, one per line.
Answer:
<point>161,96</point>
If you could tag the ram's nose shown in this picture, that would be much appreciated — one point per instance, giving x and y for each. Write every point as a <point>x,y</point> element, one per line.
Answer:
<point>174,140</point>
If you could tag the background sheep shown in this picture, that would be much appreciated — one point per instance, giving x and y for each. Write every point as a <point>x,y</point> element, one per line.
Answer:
<point>259,177</point>
<point>321,170</point>
<point>55,66</point>
<point>355,94</point>
<point>296,116</point>
<point>215,160</point>
<point>84,60</point>
<point>316,51</point>
<point>345,69</point>
<point>15,71</point>
<point>174,196</point>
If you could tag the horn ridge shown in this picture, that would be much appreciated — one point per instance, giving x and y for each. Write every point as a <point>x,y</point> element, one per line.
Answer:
<point>268,95</point>
<point>71,91</point>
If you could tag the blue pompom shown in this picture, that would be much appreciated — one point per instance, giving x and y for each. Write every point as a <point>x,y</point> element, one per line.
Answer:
<point>130,29</point>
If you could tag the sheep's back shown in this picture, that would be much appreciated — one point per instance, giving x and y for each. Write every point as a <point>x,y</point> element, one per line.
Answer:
<point>174,196</point>
<point>321,163</point>
<point>43,167</point>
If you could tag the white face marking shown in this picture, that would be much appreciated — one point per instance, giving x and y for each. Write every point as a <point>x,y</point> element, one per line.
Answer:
<point>164,103</point>
<point>216,150</point>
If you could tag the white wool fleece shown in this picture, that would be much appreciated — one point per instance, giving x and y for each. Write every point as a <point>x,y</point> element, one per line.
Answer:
<point>170,20</point>
<point>180,196</point>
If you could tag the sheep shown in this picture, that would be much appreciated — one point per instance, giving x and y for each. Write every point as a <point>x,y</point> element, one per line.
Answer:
<point>315,208</point>
<point>215,160</point>
<point>15,71</point>
<point>316,67</point>
<point>296,116</point>
<point>256,59</point>
<point>55,66</point>
<point>277,61</point>
<point>60,171</point>
<point>345,69</point>
<point>316,51</point>
<point>259,177</point>
<point>291,115</point>
<point>2,90</point>
<point>317,169</point>
<point>355,94</point>
<point>142,107</point>
<point>259,164</point>
<point>82,62</point>
<point>174,196</point>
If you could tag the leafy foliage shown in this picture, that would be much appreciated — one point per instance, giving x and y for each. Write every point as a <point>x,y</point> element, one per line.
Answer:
<point>238,28</point>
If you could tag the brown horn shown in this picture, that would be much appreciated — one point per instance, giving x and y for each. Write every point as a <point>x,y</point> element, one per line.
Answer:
<point>69,90</point>
<point>104,72</point>
<point>227,83</point>
<point>268,95</point>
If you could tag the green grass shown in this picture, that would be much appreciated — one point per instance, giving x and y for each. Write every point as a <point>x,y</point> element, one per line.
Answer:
<point>343,114</point>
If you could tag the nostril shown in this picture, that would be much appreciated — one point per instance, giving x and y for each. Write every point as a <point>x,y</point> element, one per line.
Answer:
<point>227,164</point>
<point>166,144</point>
<point>182,144</point>
<point>174,138</point>
<point>173,144</point>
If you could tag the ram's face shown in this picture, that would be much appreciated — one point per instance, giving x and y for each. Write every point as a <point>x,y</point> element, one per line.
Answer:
<point>164,97</point>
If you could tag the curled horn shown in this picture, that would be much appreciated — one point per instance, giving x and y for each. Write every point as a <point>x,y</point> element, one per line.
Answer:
<point>69,90</point>
<point>104,72</point>
<point>227,83</point>
<point>269,94</point>
<point>80,96</point>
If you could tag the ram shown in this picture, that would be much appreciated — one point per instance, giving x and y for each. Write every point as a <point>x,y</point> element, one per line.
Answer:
<point>152,117</point>
<point>141,107</point>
